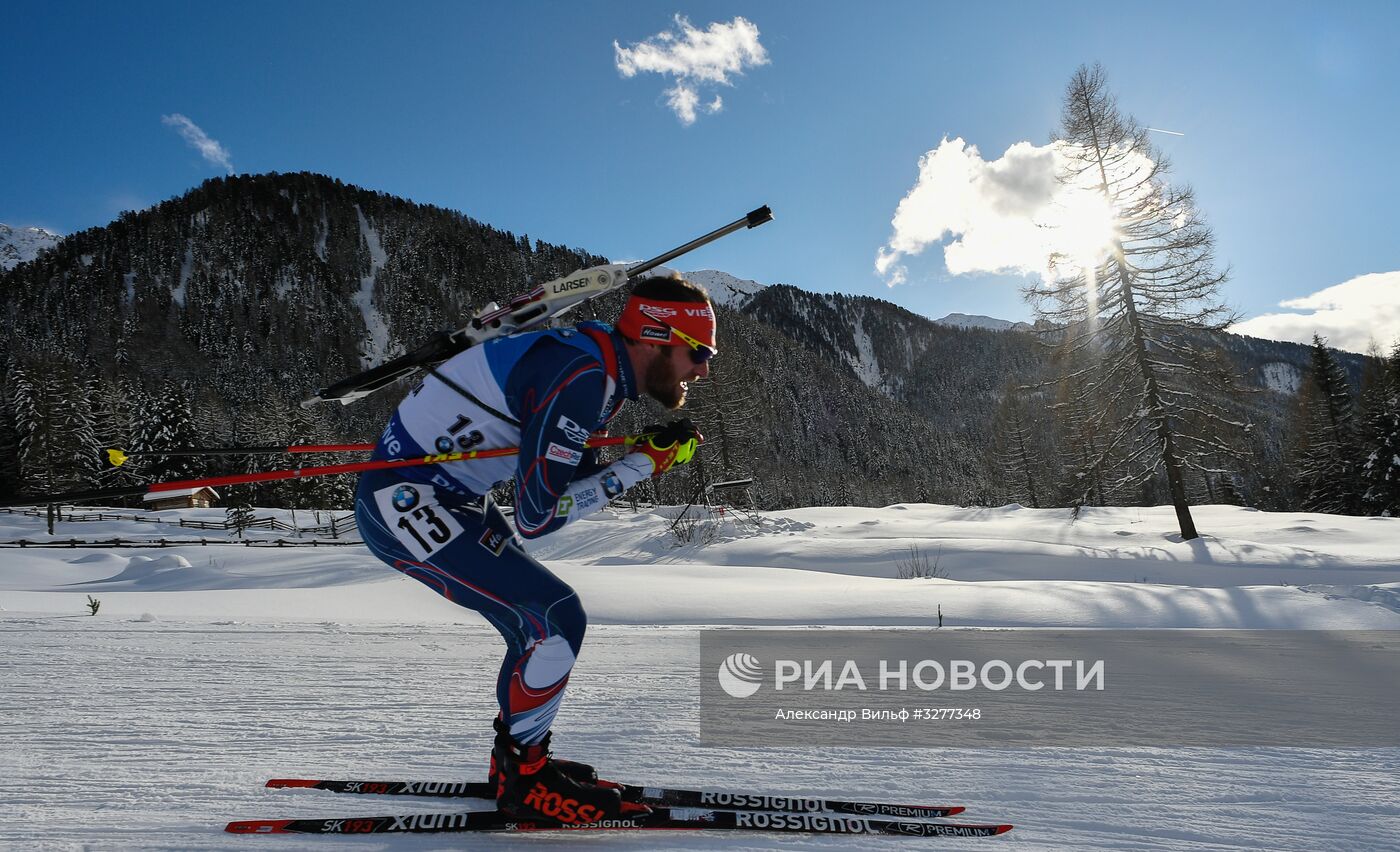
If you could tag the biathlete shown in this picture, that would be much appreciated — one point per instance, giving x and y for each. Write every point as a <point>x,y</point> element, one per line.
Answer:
<point>546,392</point>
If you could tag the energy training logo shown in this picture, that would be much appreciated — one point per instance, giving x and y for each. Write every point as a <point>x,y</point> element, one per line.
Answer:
<point>740,675</point>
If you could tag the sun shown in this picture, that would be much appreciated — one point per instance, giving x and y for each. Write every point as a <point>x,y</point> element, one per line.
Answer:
<point>1086,230</point>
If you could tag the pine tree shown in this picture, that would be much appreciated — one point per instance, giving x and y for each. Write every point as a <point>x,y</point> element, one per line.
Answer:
<point>109,422</point>
<point>168,424</point>
<point>264,422</point>
<point>1017,452</point>
<point>724,402</point>
<point>116,409</point>
<point>323,491</point>
<point>1076,423</point>
<point>80,434</point>
<point>1326,469</point>
<point>11,483</point>
<point>1380,465</point>
<point>238,516</point>
<point>36,410</point>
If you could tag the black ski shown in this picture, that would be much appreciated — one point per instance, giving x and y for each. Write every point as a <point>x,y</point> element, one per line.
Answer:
<point>662,796</point>
<point>662,819</point>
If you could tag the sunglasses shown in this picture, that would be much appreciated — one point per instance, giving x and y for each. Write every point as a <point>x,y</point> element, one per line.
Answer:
<point>699,352</point>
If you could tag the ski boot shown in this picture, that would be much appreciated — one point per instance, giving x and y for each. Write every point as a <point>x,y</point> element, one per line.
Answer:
<point>580,772</point>
<point>532,784</point>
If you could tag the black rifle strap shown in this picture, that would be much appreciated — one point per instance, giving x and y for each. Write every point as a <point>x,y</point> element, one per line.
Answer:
<point>433,371</point>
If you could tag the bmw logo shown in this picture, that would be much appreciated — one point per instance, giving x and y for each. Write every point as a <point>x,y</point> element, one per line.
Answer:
<point>405,497</point>
<point>443,444</point>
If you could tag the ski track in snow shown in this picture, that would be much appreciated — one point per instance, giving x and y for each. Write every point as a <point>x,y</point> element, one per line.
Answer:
<point>151,736</point>
<point>211,669</point>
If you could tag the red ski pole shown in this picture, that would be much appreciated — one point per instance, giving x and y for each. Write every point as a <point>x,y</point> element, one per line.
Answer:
<point>295,473</point>
<point>117,457</point>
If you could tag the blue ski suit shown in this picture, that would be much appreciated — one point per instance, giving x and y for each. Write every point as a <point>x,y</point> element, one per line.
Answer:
<point>545,392</point>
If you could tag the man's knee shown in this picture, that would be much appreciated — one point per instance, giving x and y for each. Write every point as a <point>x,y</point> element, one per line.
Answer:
<point>567,618</point>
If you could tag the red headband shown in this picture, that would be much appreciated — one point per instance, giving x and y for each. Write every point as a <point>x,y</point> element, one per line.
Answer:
<point>651,321</point>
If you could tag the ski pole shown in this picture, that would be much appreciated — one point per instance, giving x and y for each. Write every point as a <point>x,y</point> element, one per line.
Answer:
<point>117,457</point>
<point>295,473</point>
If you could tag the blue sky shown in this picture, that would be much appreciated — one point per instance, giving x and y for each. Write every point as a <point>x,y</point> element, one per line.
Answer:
<point>519,116</point>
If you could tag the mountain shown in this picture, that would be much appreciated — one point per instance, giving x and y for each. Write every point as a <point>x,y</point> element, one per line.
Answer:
<point>988,323</point>
<point>21,245</point>
<point>725,289</point>
<point>212,314</point>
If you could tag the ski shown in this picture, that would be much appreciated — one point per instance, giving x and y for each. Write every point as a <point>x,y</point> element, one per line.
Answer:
<point>662,796</point>
<point>662,819</point>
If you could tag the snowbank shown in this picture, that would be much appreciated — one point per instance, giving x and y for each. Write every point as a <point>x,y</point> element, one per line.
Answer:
<point>1001,567</point>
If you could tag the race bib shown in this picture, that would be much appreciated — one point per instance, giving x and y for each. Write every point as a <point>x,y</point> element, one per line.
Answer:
<point>419,522</point>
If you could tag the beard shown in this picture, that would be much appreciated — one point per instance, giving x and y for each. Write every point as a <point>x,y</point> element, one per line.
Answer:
<point>662,383</point>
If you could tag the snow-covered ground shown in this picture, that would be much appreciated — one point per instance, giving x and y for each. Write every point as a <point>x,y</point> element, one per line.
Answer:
<point>211,668</point>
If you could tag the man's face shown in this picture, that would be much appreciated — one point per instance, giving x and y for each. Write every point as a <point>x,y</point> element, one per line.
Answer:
<point>670,370</point>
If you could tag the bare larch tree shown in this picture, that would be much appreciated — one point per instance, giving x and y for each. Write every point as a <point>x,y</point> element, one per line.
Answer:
<point>1134,318</point>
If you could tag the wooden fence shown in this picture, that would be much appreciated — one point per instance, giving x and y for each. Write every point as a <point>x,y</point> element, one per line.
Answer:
<point>164,542</point>
<point>337,527</point>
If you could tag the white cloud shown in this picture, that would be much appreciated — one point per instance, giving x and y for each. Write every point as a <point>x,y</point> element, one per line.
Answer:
<point>1350,315</point>
<point>1007,215</point>
<point>682,100</point>
<point>208,148</point>
<point>694,58</point>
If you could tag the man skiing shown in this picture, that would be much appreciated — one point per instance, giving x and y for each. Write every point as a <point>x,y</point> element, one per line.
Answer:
<point>545,392</point>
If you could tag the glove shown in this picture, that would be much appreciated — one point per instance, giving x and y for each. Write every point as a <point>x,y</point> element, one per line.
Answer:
<point>669,445</point>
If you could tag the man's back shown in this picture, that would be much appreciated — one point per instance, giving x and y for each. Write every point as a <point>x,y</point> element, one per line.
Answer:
<point>544,392</point>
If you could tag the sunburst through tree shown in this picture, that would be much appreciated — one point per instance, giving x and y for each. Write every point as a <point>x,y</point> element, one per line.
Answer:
<point>1132,292</point>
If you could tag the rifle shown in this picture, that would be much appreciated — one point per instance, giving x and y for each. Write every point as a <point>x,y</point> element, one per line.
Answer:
<point>532,309</point>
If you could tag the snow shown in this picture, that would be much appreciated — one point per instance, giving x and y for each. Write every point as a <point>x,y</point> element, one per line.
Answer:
<point>725,289</point>
<point>1281,377</point>
<point>979,321</point>
<point>186,269</point>
<point>377,346</point>
<point>285,285</point>
<point>864,362</point>
<point>210,668</point>
<point>177,492</point>
<point>322,233</point>
<point>21,245</point>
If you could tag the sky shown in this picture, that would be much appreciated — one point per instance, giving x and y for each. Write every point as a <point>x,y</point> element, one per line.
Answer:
<point>903,148</point>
